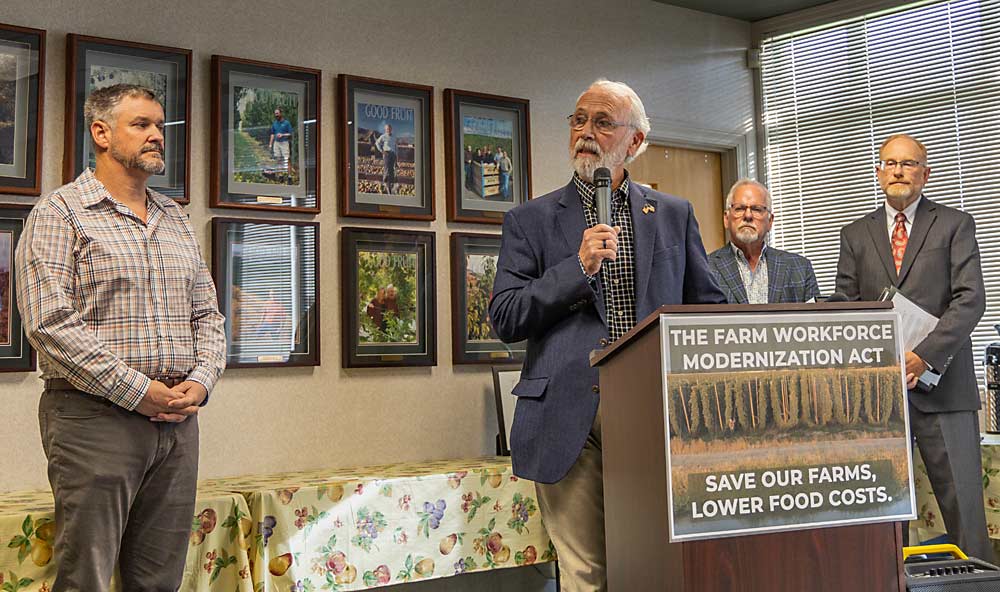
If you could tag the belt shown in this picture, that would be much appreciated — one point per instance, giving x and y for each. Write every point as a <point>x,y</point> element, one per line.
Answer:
<point>61,384</point>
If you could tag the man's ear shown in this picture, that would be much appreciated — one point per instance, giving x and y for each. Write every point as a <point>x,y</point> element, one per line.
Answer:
<point>100,132</point>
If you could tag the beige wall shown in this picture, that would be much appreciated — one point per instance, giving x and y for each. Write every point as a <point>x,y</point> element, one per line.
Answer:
<point>687,66</point>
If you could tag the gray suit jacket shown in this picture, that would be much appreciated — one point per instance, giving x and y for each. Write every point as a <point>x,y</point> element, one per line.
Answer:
<point>941,273</point>
<point>790,277</point>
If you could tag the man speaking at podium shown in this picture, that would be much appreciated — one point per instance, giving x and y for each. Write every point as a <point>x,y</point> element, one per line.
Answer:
<point>928,251</point>
<point>569,284</point>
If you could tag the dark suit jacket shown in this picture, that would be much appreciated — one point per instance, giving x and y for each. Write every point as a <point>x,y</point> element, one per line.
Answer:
<point>790,277</point>
<point>941,273</point>
<point>541,294</point>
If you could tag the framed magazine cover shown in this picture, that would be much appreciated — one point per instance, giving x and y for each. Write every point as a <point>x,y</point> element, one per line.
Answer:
<point>487,155</point>
<point>266,275</point>
<point>386,132</point>
<point>16,354</point>
<point>95,62</point>
<point>265,136</point>
<point>22,90</point>
<point>473,269</point>
<point>389,305</point>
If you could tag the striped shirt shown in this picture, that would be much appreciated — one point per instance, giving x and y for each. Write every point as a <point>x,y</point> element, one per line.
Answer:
<point>618,276</point>
<point>110,302</point>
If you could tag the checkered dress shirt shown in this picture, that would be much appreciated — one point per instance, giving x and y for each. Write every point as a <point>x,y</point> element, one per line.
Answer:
<point>110,302</point>
<point>618,276</point>
<point>754,280</point>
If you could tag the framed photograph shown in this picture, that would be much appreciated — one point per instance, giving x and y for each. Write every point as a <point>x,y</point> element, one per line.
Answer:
<point>22,85</point>
<point>504,380</point>
<point>265,136</point>
<point>16,354</point>
<point>267,276</point>
<point>94,63</point>
<point>473,268</point>
<point>487,147</point>
<point>388,286</point>
<point>386,136</point>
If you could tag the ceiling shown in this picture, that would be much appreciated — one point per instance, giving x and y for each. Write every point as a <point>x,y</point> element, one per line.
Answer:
<point>747,10</point>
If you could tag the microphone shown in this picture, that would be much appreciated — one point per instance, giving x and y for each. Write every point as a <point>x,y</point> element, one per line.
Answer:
<point>837,297</point>
<point>602,180</point>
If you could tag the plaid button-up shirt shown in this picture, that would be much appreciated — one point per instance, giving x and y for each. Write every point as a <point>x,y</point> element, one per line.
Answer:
<point>110,302</point>
<point>618,276</point>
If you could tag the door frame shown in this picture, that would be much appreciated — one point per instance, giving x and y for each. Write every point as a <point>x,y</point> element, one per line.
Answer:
<point>735,148</point>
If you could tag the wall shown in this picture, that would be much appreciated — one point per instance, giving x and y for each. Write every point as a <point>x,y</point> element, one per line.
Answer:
<point>688,67</point>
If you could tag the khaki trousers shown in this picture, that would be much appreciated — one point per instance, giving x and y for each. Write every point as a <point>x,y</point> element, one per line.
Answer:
<point>573,510</point>
<point>124,490</point>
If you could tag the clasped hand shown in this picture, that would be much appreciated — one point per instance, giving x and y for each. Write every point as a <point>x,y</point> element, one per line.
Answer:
<point>162,403</point>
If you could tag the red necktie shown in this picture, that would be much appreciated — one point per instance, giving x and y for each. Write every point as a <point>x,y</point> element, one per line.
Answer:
<point>899,240</point>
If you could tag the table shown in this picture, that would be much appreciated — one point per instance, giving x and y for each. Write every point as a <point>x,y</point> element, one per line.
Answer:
<point>217,558</point>
<point>354,529</point>
<point>929,523</point>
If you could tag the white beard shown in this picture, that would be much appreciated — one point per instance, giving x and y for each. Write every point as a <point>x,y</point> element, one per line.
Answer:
<point>585,166</point>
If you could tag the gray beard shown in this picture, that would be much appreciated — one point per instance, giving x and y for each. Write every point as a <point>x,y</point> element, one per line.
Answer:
<point>585,167</point>
<point>135,161</point>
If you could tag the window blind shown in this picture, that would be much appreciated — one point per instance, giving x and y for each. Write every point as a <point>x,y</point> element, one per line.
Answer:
<point>831,94</point>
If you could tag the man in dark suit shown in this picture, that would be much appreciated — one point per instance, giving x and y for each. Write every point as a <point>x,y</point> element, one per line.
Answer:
<point>928,251</point>
<point>568,286</point>
<point>749,271</point>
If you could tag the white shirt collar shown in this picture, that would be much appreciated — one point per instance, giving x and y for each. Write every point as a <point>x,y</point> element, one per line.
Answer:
<point>910,212</point>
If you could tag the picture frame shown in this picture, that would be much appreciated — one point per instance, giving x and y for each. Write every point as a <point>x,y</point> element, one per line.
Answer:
<point>16,354</point>
<point>487,155</point>
<point>255,165</point>
<point>266,276</point>
<point>389,307</point>
<point>473,269</point>
<point>365,107</point>
<point>22,92</point>
<point>96,62</point>
<point>504,380</point>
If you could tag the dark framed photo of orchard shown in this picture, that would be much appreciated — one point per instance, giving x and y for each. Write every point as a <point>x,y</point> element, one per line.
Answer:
<point>266,276</point>
<point>473,269</point>
<point>386,136</point>
<point>22,84</point>
<point>93,63</point>
<point>487,142</point>
<point>265,136</point>
<point>389,308</point>
<point>16,354</point>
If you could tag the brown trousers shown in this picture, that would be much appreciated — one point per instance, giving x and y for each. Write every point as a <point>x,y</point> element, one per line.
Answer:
<point>573,511</point>
<point>124,490</point>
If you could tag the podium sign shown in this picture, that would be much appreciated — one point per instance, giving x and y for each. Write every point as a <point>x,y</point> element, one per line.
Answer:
<point>784,421</point>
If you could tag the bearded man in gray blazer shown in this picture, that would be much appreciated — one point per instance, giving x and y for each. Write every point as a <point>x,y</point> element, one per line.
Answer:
<point>928,251</point>
<point>747,269</point>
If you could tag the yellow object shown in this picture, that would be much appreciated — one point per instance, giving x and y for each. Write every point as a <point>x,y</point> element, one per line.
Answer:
<point>933,549</point>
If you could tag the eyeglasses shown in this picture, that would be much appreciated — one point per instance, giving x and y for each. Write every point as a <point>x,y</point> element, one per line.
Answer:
<point>601,123</point>
<point>908,165</point>
<point>756,211</point>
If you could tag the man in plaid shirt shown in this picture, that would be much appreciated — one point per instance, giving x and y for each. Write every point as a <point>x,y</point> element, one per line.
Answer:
<point>117,300</point>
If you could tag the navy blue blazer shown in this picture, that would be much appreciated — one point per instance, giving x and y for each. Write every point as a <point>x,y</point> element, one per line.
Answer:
<point>790,277</point>
<point>541,295</point>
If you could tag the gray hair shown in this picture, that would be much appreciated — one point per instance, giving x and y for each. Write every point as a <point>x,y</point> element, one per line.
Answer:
<point>744,182</point>
<point>101,103</point>
<point>637,113</point>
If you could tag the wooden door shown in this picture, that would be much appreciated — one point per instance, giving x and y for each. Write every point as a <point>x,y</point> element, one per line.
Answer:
<point>695,175</point>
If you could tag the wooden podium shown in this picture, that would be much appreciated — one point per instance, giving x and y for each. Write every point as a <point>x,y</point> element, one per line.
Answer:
<point>857,558</point>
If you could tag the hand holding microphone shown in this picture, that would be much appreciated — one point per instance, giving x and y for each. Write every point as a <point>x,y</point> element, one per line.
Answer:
<point>600,241</point>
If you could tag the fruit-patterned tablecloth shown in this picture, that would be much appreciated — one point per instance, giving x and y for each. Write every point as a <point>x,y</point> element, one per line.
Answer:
<point>361,528</point>
<point>217,557</point>
<point>929,523</point>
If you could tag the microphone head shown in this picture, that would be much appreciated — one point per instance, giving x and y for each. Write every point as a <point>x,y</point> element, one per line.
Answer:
<point>602,177</point>
<point>837,297</point>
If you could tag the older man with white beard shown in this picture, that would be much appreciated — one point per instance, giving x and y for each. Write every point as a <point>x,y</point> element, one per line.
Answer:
<point>569,285</point>
<point>749,271</point>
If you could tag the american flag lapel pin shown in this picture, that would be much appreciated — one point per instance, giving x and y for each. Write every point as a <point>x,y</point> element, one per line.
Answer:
<point>648,207</point>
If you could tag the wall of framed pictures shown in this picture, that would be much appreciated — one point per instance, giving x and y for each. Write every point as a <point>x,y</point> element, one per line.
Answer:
<point>267,416</point>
